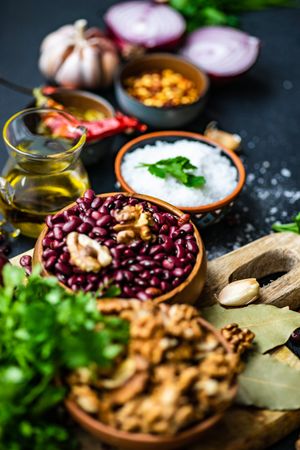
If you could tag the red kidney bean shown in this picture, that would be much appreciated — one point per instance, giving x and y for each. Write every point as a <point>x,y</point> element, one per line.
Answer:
<point>57,244</point>
<point>89,287</point>
<point>176,282</point>
<point>74,287</point>
<point>148,263</point>
<point>50,234</point>
<point>98,231</point>
<point>96,203</point>
<point>104,210</point>
<point>47,241</point>
<point>110,243</point>
<point>118,275</point>
<point>116,264</point>
<point>72,224</point>
<point>165,286</point>
<point>127,262</point>
<point>174,233</point>
<point>180,241</point>
<point>128,275</point>
<point>57,218</point>
<point>103,220</point>
<point>155,249</point>
<point>153,291</point>
<point>49,221</point>
<point>136,268</point>
<point>168,264</point>
<point>48,253</point>
<point>187,269</point>
<point>190,257</point>
<point>92,278</point>
<point>170,219</point>
<point>128,253</point>
<point>80,279</point>
<point>192,246</point>
<point>167,244</point>
<point>159,256</point>
<point>65,269</point>
<point>109,200</point>
<point>164,229</point>
<point>71,280</point>
<point>178,272</point>
<point>166,275</point>
<point>187,228</point>
<point>26,261</point>
<point>189,237</point>
<point>143,296</point>
<point>128,291</point>
<point>157,271</point>
<point>61,278</point>
<point>140,282</point>
<point>58,233</point>
<point>145,274</point>
<point>155,281</point>
<point>89,212</point>
<point>89,194</point>
<point>144,249</point>
<point>50,262</point>
<point>136,246</point>
<point>184,219</point>
<point>121,247</point>
<point>84,228</point>
<point>90,221</point>
<point>159,218</point>
<point>179,250</point>
<point>133,201</point>
<point>64,257</point>
<point>116,253</point>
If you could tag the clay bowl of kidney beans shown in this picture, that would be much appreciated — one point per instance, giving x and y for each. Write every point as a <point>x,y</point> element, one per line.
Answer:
<point>171,269</point>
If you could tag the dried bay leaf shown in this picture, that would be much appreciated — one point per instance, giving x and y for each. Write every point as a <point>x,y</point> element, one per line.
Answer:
<point>272,326</point>
<point>268,383</point>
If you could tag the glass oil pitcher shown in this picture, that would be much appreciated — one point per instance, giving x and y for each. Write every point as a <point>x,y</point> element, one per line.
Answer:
<point>43,173</point>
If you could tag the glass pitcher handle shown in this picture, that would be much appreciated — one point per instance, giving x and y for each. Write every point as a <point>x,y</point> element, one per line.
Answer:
<point>6,191</point>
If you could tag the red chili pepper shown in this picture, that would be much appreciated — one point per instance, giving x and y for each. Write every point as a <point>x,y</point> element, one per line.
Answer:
<point>97,129</point>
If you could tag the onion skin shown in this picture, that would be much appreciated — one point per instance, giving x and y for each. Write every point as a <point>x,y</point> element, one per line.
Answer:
<point>221,44</point>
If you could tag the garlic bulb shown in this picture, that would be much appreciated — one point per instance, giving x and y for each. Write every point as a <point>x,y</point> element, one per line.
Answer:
<point>76,57</point>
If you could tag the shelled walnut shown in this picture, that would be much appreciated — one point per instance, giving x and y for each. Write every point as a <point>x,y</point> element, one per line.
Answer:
<point>86,253</point>
<point>238,339</point>
<point>175,372</point>
<point>134,223</point>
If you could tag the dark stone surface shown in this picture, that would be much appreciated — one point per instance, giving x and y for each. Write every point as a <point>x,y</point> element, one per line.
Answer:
<point>263,107</point>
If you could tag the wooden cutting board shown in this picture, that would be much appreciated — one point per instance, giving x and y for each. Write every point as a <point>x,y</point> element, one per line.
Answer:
<point>276,257</point>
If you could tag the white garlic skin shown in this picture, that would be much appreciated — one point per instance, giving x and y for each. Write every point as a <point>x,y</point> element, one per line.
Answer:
<point>76,57</point>
<point>239,293</point>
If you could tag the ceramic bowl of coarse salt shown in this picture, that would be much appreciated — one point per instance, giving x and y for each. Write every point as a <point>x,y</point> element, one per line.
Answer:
<point>204,182</point>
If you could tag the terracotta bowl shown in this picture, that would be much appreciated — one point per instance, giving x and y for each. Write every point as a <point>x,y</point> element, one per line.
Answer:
<point>187,292</point>
<point>165,117</point>
<point>204,215</point>
<point>138,441</point>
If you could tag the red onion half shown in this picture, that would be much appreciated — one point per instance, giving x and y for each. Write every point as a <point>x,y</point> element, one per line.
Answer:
<point>222,52</point>
<point>145,24</point>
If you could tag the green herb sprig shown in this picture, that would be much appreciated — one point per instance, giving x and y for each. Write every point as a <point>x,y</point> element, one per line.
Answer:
<point>44,331</point>
<point>293,227</point>
<point>221,12</point>
<point>179,168</point>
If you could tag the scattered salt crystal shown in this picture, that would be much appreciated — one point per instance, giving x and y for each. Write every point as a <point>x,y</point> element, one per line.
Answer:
<point>220,174</point>
<point>285,172</point>
<point>273,210</point>
<point>274,182</point>
<point>287,85</point>
<point>251,145</point>
<point>251,177</point>
<point>266,164</point>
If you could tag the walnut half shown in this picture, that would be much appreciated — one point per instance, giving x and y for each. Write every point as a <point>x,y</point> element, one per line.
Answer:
<point>86,253</point>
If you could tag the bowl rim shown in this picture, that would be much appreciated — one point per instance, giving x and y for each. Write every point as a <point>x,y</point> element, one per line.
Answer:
<point>100,428</point>
<point>168,56</point>
<point>186,134</point>
<point>200,259</point>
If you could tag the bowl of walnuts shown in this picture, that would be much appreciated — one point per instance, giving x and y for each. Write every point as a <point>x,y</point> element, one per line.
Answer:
<point>174,381</point>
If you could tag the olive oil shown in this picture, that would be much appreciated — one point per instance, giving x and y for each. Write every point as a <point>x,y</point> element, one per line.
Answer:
<point>36,196</point>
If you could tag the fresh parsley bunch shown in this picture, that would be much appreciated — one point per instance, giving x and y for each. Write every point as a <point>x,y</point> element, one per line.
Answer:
<point>220,12</point>
<point>294,226</point>
<point>45,330</point>
<point>179,168</point>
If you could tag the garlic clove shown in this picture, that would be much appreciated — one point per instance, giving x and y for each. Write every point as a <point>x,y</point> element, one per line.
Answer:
<point>110,62</point>
<point>238,293</point>
<point>91,67</point>
<point>51,60</point>
<point>69,73</point>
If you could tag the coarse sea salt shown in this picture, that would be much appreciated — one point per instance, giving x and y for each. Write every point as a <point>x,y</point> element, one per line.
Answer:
<point>221,176</point>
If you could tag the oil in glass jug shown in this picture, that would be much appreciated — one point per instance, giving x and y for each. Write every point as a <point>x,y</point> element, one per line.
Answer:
<point>43,173</point>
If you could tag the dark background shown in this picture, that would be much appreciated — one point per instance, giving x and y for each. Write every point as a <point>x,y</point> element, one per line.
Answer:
<point>263,107</point>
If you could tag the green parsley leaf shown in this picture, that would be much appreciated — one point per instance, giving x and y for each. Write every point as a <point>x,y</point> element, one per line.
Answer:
<point>178,168</point>
<point>293,227</point>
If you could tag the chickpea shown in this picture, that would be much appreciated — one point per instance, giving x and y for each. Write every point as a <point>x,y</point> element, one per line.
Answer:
<point>159,89</point>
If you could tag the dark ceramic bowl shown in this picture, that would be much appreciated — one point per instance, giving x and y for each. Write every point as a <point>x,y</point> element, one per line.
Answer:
<point>202,215</point>
<point>165,117</point>
<point>92,151</point>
